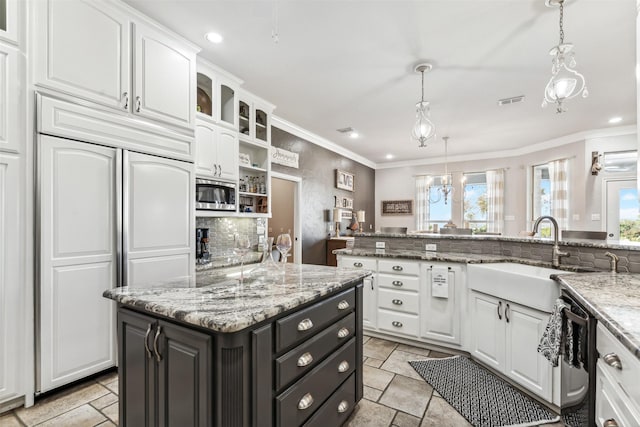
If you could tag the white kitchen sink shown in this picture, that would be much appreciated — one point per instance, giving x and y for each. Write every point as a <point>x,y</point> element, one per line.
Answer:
<point>525,284</point>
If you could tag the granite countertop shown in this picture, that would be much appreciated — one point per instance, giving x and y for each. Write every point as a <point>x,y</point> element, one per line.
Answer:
<point>613,298</point>
<point>221,304</point>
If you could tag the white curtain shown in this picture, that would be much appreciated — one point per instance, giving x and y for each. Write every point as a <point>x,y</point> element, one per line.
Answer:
<point>559,180</point>
<point>495,200</point>
<point>422,202</point>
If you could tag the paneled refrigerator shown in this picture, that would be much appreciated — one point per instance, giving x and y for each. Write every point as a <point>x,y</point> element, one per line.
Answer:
<point>106,217</point>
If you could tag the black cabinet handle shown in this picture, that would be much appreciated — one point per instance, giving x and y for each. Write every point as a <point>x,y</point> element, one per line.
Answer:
<point>357,264</point>
<point>396,283</point>
<point>397,268</point>
<point>397,301</point>
<point>499,307</point>
<point>397,324</point>
<point>506,312</point>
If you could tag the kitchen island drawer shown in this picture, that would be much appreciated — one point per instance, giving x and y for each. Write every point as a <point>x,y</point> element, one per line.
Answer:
<point>335,410</point>
<point>398,323</point>
<point>352,262</point>
<point>398,300</point>
<point>396,266</point>
<point>301,359</point>
<point>293,329</point>
<point>296,404</point>
<point>406,283</point>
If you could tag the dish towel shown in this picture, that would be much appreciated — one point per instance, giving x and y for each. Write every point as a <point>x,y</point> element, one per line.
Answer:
<point>551,343</point>
<point>575,345</point>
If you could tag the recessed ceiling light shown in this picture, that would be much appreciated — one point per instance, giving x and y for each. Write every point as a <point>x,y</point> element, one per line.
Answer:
<point>389,156</point>
<point>614,120</point>
<point>354,134</point>
<point>214,37</point>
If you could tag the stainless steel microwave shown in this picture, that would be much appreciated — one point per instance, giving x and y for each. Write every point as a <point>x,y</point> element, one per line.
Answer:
<point>215,195</point>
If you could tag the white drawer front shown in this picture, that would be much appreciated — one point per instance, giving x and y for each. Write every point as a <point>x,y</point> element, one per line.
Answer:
<point>396,266</point>
<point>398,323</point>
<point>354,262</point>
<point>404,283</point>
<point>398,300</point>
<point>610,402</point>
<point>627,377</point>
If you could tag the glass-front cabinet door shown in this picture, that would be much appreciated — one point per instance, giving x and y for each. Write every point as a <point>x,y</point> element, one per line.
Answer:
<point>9,20</point>
<point>244,118</point>
<point>261,125</point>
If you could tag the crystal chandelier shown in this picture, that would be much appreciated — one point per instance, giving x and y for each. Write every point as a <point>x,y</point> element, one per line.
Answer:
<point>565,82</point>
<point>445,189</point>
<point>423,129</point>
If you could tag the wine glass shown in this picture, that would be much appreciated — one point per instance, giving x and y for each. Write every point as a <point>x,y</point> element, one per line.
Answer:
<point>283,243</point>
<point>241,246</point>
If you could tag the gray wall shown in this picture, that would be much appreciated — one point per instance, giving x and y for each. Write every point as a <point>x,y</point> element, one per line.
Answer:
<point>317,169</point>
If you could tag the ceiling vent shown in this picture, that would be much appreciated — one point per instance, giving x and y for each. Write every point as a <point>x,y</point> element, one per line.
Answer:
<point>509,101</point>
<point>346,130</point>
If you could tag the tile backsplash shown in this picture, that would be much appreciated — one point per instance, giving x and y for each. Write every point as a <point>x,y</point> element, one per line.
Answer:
<point>221,231</point>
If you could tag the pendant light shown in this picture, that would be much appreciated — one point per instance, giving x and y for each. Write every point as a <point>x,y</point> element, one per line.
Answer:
<point>423,129</point>
<point>445,189</point>
<point>565,82</point>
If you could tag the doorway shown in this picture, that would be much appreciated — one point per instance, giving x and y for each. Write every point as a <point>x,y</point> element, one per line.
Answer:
<point>622,211</point>
<point>285,212</point>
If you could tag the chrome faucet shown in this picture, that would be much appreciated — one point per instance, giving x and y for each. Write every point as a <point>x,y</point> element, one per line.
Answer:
<point>557,253</point>
<point>614,261</point>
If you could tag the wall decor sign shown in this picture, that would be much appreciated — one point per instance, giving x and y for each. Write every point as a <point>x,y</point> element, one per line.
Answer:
<point>346,214</point>
<point>347,203</point>
<point>397,207</point>
<point>344,180</point>
<point>284,157</point>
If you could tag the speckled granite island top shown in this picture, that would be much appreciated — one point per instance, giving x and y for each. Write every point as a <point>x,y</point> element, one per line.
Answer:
<point>614,299</point>
<point>221,304</point>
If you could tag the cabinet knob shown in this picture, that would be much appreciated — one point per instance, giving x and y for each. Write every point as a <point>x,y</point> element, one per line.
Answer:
<point>396,283</point>
<point>343,406</point>
<point>305,402</point>
<point>305,359</point>
<point>612,360</point>
<point>343,366</point>
<point>397,301</point>
<point>397,324</point>
<point>146,342</point>
<point>305,325</point>
<point>343,305</point>
<point>343,333</point>
<point>610,423</point>
<point>155,344</point>
<point>397,268</point>
<point>125,96</point>
<point>357,264</point>
<point>138,104</point>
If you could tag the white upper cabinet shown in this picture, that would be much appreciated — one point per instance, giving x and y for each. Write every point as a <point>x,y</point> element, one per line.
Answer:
<point>216,152</point>
<point>84,49</point>
<point>10,100</point>
<point>9,18</point>
<point>254,118</point>
<point>217,95</point>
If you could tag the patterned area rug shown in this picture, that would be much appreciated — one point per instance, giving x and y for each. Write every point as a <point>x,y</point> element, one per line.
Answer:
<point>482,398</point>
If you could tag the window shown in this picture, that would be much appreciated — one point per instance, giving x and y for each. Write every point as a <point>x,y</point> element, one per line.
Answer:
<point>621,162</point>
<point>542,197</point>
<point>475,201</point>
<point>430,205</point>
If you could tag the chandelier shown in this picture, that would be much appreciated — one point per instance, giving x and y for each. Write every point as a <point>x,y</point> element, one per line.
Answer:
<point>445,188</point>
<point>423,129</point>
<point>565,82</point>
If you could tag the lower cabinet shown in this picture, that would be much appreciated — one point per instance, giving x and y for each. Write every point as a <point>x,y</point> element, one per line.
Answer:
<point>369,292</point>
<point>505,336</point>
<point>163,374</point>
<point>441,299</point>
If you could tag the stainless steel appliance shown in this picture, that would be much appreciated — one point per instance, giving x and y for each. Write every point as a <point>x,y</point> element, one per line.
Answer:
<point>215,195</point>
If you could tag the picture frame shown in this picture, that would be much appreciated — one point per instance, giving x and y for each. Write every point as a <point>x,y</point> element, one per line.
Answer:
<point>396,207</point>
<point>347,203</point>
<point>346,215</point>
<point>344,180</point>
<point>244,159</point>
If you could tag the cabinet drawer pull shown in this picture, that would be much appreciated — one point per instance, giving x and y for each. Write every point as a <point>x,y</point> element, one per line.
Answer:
<point>343,366</point>
<point>305,325</point>
<point>305,360</point>
<point>506,312</point>
<point>396,283</point>
<point>155,344</point>
<point>138,104</point>
<point>357,264</point>
<point>146,342</point>
<point>397,324</point>
<point>343,406</point>
<point>612,360</point>
<point>610,423</point>
<point>397,268</point>
<point>343,333</point>
<point>397,301</point>
<point>343,305</point>
<point>305,402</point>
<point>126,100</point>
<point>499,308</point>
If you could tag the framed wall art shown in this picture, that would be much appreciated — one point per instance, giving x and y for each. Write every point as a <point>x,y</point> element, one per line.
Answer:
<point>344,180</point>
<point>347,203</point>
<point>347,214</point>
<point>397,207</point>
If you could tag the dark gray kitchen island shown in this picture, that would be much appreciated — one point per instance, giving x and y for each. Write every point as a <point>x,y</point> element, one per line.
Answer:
<point>278,350</point>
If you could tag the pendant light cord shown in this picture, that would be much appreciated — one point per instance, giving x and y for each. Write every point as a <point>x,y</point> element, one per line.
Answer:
<point>561,22</point>
<point>422,98</point>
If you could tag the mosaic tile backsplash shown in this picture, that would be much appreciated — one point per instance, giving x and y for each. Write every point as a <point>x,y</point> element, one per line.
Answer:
<point>221,231</point>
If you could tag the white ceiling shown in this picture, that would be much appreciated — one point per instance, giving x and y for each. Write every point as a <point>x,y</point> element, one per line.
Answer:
<point>350,63</point>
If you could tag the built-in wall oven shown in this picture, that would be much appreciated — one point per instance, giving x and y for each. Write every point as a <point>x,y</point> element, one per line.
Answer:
<point>215,195</point>
<point>578,384</point>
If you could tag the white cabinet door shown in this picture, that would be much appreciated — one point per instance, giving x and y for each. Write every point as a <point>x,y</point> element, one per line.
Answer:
<point>83,48</point>
<point>523,364</point>
<point>369,303</point>
<point>10,10</point>
<point>10,100</point>
<point>206,150</point>
<point>165,78</point>
<point>488,334</point>
<point>78,259</point>
<point>227,154</point>
<point>159,240</point>
<point>441,313</point>
<point>12,331</point>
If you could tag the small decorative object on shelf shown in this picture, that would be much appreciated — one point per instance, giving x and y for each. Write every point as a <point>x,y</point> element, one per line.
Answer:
<point>245,159</point>
<point>204,102</point>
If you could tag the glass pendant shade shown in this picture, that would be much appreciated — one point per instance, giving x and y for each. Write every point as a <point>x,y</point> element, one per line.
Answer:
<point>565,82</point>
<point>423,129</point>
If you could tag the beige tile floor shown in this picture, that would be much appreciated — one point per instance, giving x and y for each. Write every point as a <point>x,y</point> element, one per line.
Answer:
<point>394,395</point>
